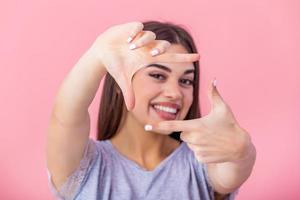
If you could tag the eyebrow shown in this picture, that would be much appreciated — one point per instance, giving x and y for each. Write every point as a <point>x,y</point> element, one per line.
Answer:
<point>168,69</point>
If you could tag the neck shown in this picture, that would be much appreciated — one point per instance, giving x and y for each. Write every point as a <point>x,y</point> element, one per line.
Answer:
<point>142,146</point>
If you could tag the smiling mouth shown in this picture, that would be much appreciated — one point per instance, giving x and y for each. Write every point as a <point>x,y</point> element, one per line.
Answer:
<point>165,113</point>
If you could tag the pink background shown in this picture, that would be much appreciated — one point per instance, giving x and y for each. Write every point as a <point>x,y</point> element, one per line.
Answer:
<point>252,47</point>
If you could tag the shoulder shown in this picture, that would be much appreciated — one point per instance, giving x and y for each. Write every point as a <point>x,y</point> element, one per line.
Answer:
<point>72,186</point>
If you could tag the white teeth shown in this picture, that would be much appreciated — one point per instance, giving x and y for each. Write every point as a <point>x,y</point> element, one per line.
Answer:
<point>166,109</point>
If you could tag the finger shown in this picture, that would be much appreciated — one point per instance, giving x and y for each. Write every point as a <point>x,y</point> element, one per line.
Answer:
<point>137,27</point>
<point>217,102</point>
<point>214,95</point>
<point>127,91</point>
<point>206,156</point>
<point>205,150</point>
<point>160,47</point>
<point>197,139</point>
<point>211,159</point>
<point>145,38</point>
<point>173,126</point>
<point>177,57</point>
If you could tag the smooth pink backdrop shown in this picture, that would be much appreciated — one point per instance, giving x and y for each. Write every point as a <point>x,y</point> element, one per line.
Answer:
<point>252,47</point>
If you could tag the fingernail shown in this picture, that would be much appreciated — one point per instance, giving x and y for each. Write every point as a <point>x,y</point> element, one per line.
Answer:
<point>132,46</point>
<point>154,52</point>
<point>215,82</point>
<point>129,39</point>
<point>148,127</point>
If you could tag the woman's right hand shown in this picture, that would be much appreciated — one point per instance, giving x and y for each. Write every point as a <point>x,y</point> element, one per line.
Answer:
<point>112,48</point>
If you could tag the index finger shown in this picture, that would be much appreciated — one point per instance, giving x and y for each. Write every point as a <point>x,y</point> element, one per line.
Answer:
<point>167,127</point>
<point>177,57</point>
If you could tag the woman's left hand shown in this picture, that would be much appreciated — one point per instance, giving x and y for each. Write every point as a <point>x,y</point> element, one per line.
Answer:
<point>214,138</point>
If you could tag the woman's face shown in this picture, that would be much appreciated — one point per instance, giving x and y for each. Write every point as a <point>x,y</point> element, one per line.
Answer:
<point>163,91</point>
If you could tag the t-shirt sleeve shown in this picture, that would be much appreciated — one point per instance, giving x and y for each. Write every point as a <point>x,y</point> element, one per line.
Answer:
<point>71,186</point>
<point>230,196</point>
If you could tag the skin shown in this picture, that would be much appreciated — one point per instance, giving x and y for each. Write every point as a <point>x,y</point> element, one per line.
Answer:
<point>218,141</point>
<point>148,150</point>
<point>69,124</point>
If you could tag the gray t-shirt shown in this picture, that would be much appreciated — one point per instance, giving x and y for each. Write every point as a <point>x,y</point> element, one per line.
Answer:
<point>104,173</point>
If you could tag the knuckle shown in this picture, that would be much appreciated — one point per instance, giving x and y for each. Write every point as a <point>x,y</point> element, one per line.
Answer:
<point>168,44</point>
<point>151,34</point>
<point>165,43</point>
<point>138,25</point>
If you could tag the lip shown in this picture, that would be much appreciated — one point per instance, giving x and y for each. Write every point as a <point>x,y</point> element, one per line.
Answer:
<point>168,104</point>
<point>164,115</point>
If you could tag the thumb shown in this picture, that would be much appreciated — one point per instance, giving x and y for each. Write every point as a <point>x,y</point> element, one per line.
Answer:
<point>214,95</point>
<point>129,98</point>
<point>127,91</point>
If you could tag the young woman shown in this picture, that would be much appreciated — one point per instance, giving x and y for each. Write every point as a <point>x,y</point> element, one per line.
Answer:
<point>152,142</point>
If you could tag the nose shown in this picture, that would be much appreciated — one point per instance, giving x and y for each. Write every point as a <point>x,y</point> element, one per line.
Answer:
<point>172,90</point>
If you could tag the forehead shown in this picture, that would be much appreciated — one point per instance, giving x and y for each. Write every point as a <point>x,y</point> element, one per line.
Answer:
<point>178,67</point>
<point>176,48</point>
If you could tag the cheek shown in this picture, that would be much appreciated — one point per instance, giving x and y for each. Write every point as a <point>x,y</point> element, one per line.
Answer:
<point>145,92</point>
<point>188,99</point>
<point>144,83</point>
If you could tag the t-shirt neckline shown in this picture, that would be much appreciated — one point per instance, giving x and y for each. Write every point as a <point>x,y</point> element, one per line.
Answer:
<point>133,163</point>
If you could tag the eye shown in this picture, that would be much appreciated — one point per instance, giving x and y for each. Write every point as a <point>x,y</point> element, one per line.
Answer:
<point>157,76</point>
<point>187,81</point>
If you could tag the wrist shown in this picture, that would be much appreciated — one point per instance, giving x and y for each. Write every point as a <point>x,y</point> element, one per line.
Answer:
<point>92,55</point>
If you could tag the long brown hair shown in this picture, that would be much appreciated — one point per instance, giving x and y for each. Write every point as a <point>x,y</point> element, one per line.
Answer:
<point>112,103</point>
